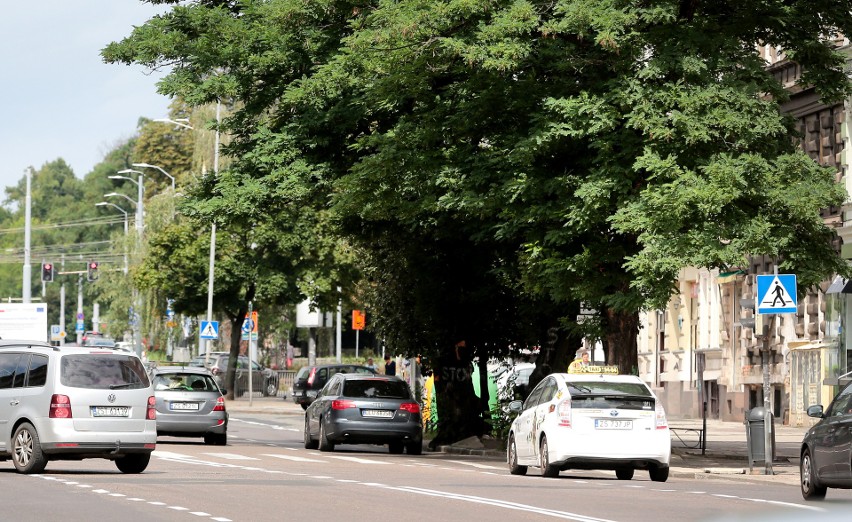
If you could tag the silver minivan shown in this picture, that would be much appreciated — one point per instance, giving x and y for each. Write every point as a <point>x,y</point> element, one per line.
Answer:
<point>73,403</point>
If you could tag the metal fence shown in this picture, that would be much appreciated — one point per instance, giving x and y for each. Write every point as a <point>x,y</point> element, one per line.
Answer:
<point>269,383</point>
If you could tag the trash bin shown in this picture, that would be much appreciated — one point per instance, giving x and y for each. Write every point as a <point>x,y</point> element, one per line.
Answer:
<point>756,437</point>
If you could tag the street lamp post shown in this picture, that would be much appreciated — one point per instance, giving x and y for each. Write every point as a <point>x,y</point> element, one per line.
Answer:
<point>140,213</point>
<point>149,166</point>
<point>107,203</point>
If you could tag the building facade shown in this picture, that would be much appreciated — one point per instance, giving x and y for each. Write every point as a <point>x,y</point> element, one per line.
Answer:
<point>698,351</point>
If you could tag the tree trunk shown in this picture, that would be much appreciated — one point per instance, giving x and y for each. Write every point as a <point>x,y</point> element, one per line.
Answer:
<point>458,405</point>
<point>621,345</point>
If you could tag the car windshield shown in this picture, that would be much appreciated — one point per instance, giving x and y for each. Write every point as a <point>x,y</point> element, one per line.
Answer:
<point>375,389</point>
<point>608,388</point>
<point>191,382</point>
<point>103,371</point>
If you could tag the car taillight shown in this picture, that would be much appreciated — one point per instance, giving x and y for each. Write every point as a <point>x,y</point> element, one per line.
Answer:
<point>220,404</point>
<point>311,376</point>
<point>60,407</point>
<point>661,421</point>
<point>340,404</point>
<point>410,407</point>
<point>151,414</point>
<point>563,412</point>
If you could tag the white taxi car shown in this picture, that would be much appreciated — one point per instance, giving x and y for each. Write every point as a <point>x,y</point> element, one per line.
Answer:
<point>590,421</point>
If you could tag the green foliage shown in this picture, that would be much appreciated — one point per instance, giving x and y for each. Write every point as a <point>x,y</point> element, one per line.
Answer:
<point>487,166</point>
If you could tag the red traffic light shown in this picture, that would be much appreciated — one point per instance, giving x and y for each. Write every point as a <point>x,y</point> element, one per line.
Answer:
<point>47,266</point>
<point>93,265</point>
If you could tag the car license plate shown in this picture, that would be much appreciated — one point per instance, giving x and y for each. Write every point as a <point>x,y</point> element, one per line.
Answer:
<point>110,411</point>
<point>382,414</point>
<point>183,406</point>
<point>609,424</point>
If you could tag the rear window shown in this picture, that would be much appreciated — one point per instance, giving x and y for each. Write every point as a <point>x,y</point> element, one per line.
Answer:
<point>191,382</point>
<point>303,372</point>
<point>375,389</point>
<point>107,372</point>
<point>621,395</point>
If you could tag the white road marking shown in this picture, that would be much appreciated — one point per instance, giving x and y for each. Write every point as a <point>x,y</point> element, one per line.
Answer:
<point>230,456</point>
<point>292,458</point>
<point>358,460</point>
<point>475,464</point>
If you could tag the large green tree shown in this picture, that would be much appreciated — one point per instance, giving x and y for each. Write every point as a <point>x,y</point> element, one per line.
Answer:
<point>495,159</point>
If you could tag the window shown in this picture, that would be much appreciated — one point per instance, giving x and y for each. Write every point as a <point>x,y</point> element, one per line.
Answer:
<point>548,391</point>
<point>8,365</point>
<point>376,389</point>
<point>842,404</point>
<point>38,371</point>
<point>21,371</point>
<point>534,397</point>
<point>102,372</point>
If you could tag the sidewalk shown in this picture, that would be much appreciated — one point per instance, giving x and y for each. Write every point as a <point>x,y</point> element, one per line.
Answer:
<point>725,457</point>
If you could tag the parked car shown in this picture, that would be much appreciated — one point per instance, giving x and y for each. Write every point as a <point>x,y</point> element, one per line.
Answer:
<point>358,408</point>
<point>513,381</point>
<point>590,421</point>
<point>264,380</point>
<point>826,454</point>
<point>73,403</point>
<point>189,404</point>
<point>310,380</point>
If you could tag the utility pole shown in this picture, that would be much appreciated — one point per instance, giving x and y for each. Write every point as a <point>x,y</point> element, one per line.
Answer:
<point>62,306</point>
<point>27,289</point>
<point>767,392</point>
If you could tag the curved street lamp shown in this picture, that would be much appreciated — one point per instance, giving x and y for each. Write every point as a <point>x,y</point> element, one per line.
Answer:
<point>148,165</point>
<point>107,203</point>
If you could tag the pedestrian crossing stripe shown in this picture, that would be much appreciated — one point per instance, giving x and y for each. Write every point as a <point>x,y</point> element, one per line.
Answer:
<point>776,294</point>
<point>209,330</point>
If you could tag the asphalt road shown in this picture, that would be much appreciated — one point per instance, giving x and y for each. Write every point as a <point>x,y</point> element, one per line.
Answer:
<point>265,473</point>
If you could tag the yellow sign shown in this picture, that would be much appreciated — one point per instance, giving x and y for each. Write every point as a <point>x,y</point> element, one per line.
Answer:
<point>609,370</point>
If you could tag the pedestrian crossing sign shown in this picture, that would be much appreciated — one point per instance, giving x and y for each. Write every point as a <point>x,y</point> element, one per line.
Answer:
<point>209,330</point>
<point>776,294</point>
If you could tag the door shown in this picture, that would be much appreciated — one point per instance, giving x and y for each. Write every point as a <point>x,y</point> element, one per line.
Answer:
<point>9,399</point>
<point>543,411</point>
<point>832,438</point>
<point>526,419</point>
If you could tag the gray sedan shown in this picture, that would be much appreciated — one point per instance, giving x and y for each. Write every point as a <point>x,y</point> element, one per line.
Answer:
<point>364,409</point>
<point>189,404</point>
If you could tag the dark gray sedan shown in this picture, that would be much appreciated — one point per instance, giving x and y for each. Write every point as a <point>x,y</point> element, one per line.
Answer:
<point>189,404</point>
<point>364,409</point>
<point>826,455</point>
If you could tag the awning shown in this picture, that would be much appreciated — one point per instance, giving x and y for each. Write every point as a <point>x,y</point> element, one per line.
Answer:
<point>840,286</point>
<point>729,277</point>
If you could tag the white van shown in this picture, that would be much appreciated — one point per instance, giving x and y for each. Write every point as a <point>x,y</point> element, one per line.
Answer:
<point>73,403</point>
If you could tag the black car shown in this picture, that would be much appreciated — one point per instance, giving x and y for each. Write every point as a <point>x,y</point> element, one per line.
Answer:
<point>364,409</point>
<point>311,379</point>
<point>826,455</point>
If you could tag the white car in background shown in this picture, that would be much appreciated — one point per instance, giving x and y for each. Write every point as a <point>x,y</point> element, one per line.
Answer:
<point>590,421</point>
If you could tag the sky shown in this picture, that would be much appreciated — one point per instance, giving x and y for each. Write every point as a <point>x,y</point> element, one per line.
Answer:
<point>58,99</point>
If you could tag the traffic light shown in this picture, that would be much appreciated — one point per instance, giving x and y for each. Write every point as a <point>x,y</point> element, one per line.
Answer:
<point>47,272</point>
<point>92,271</point>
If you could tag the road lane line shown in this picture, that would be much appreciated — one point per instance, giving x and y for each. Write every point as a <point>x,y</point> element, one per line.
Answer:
<point>475,464</point>
<point>293,458</point>
<point>359,460</point>
<point>230,456</point>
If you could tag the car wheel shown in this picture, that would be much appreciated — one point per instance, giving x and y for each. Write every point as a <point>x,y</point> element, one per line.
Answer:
<point>659,474</point>
<point>811,490</point>
<point>547,469</point>
<point>135,463</point>
<point>27,454</point>
<point>216,439</point>
<point>395,448</point>
<point>310,443</point>
<point>271,388</point>
<point>414,447</point>
<point>514,468</point>
<point>624,473</point>
<point>324,443</point>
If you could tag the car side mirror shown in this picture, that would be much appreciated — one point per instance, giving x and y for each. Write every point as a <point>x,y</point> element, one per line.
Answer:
<point>815,411</point>
<point>516,406</point>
